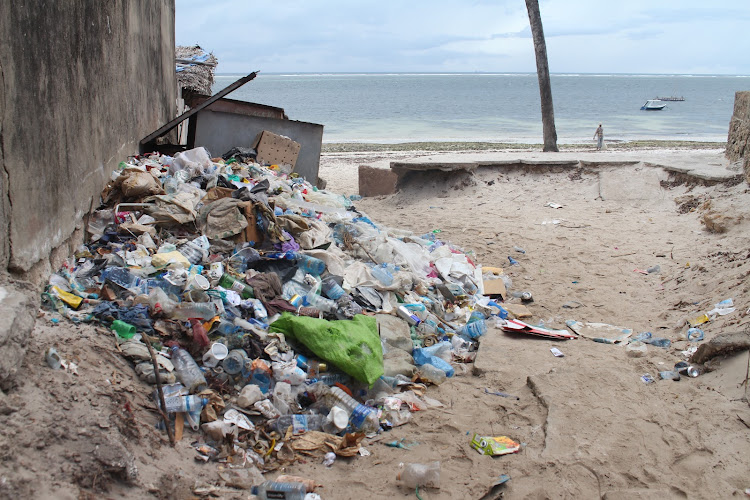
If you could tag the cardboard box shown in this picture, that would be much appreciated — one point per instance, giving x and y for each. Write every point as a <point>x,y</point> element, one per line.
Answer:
<point>276,149</point>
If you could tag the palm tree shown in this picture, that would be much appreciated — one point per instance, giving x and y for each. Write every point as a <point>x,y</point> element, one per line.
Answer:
<point>542,72</point>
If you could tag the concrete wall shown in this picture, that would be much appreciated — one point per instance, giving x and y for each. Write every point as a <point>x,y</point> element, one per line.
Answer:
<point>738,141</point>
<point>80,84</point>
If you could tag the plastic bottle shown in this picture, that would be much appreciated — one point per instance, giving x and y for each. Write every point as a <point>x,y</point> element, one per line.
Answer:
<point>362,417</point>
<point>289,373</point>
<point>230,283</point>
<point>201,310</point>
<point>299,423</point>
<point>279,490</point>
<point>320,303</point>
<point>243,259</point>
<point>121,277</point>
<point>332,289</point>
<point>441,350</point>
<point>195,250</point>
<point>235,361</point>
<point>382,274</point>
<point>310,485</point>
<point>475,329</point>
<point>431,373</point>
<point>330,379</point>
<point>415,475</point>
<point>418,309</point>
<point>187,370</point>
<point>421,358</point>
<point>659,342</point>
<point>309,264</point>
<point>294,287</point>
<point>178,404</point>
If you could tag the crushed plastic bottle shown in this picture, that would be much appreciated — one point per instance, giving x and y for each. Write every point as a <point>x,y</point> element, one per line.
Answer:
<point>187,370</point>
<point>178,404</point>
<point>299,423</point>
<point>269,490</point>
<point>362,418</point>
<point>426,475</point>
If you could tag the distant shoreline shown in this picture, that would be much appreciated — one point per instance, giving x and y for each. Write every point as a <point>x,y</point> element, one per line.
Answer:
<point>362,147</point>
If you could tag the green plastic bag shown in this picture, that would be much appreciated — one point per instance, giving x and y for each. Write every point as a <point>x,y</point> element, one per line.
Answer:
<point>353,345</point>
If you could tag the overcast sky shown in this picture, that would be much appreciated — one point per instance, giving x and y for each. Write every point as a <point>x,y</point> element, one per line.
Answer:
<point>583,36</point>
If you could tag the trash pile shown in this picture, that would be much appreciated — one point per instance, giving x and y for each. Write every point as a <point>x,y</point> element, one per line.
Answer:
<point>275,319</point>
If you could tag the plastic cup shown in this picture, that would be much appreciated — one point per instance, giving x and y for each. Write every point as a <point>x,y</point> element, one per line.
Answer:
<point>199,282</point>
<point>216,352</point>
<point>339,418</point>
<point>123,330</point>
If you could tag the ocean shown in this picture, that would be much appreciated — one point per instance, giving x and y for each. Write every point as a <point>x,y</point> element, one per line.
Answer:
<point>392,108</point>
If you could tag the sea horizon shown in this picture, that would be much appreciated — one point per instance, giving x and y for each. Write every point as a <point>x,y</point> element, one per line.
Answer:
<point>397,107</point>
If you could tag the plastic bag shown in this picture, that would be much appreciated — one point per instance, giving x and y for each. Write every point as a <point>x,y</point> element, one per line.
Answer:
<point>353,346</point>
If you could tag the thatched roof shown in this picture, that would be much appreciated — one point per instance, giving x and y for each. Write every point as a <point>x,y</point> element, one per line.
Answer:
<point>195,69</point>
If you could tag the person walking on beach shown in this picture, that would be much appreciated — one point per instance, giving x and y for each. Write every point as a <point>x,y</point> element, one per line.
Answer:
<point>599,136</point>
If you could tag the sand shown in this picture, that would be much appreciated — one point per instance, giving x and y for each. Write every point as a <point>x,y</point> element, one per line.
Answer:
<point>590,427</point>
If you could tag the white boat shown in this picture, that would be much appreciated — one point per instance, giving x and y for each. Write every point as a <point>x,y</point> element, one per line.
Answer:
<point>653,105</point>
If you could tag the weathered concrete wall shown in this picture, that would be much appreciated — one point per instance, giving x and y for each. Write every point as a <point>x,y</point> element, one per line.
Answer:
<point>738,141</point>
<point>81,84</point>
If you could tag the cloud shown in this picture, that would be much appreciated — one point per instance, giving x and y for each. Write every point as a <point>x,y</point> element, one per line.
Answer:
<point>441,35</point>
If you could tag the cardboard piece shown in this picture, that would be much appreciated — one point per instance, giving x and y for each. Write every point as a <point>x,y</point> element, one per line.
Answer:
<point>496,286</point>
<point>251,232</point>
<point>276,149</point>
<point>518,310</point>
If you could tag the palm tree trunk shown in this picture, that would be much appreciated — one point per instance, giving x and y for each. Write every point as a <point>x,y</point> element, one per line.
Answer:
<point>542,72</point>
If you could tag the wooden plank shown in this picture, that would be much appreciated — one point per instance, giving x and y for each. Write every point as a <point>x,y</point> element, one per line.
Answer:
<point>184,116</point>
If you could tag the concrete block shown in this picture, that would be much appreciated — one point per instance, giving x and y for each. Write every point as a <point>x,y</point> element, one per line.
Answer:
<point>376,181</point>
<point>18,309</point>
<point>395,332</point>
<point>398,362</point>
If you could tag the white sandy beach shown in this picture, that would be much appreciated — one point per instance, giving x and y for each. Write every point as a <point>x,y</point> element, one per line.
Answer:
<point>589,426</point>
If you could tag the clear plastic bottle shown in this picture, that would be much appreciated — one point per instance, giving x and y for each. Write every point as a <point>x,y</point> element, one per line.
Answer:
<point>187,370</point>
<point>362,417</point>
<point>309,264</point>
<point>235,361</point>
<point>195,251</point>
<point>320,303</point>
<point>415,475</point>
<point>330,379</point>
<point>201,310</point>
<point>178,404</point>
<point>299,423</point>
<point>332,289</point>
<point>382,274</point>
<point>279,490</point>
<point>659,342</point>
<point>432,374</point>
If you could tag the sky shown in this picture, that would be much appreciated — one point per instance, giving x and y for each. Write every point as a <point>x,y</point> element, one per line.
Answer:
<point>582,36</point>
